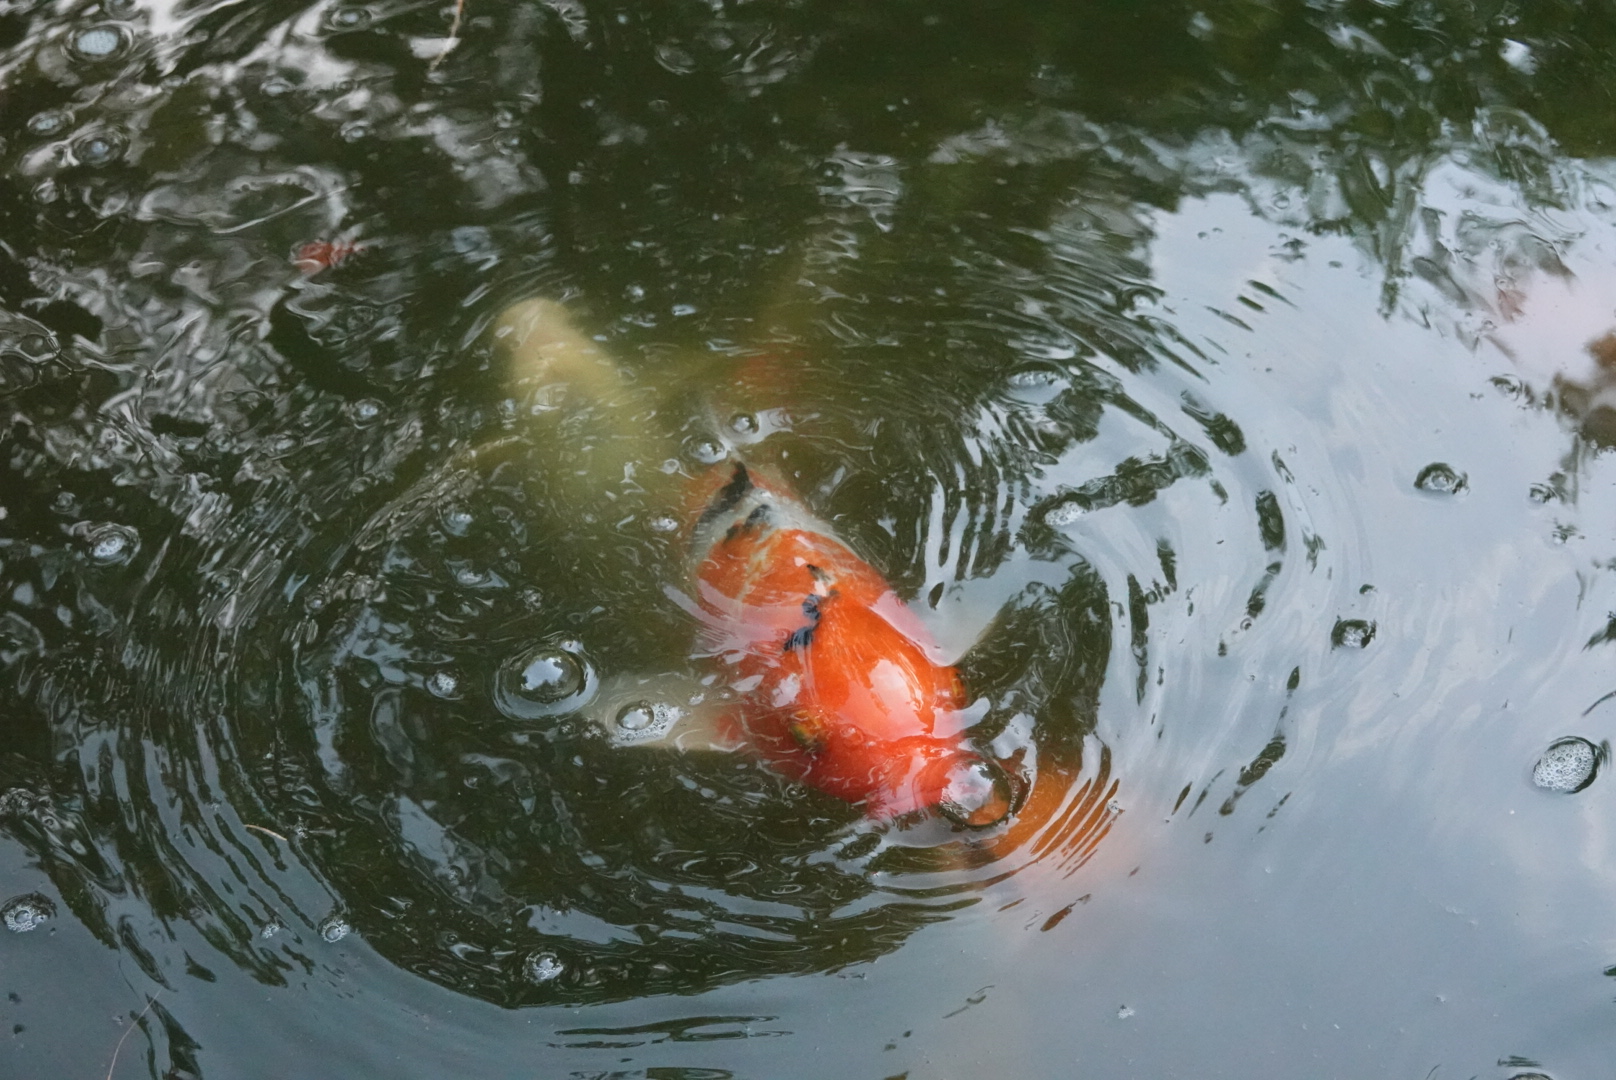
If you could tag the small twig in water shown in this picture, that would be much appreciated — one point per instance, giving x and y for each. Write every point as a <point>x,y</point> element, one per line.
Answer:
<point>116,1050</point>
<point>266,832</point>
<point>454,36</point>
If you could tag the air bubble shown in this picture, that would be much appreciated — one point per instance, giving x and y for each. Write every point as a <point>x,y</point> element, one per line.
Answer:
<point>24,913</point>
<point>542,967</point>
<point>744,424</point>
<point>1567,766</point>
<point>334,928</point>
<point>457,519</point>
<point>707,451</point>
<point>644,721</point>
<point>50,122</point>
<point>364,411</point>
<point>546,681</point>
<point>100,42</point>
<point>1441,479</point>
<point>99,148</point>
<point>354,131</point>
<point>471,577</point>
<point>35,345</point>
<point>443,684</point>
<point>636,717</point>
<point>1352,634</point>
<point>348,18</point>
<point>112,545</point>
<point>663,524</point>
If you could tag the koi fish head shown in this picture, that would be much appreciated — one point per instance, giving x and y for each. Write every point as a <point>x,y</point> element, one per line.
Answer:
<point>838,684</point>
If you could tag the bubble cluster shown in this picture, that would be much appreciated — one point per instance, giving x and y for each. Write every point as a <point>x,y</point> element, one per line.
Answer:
<point>27,912</point>
<point>1567,766</point>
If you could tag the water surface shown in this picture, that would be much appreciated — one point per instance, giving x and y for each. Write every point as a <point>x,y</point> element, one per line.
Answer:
<point>1223,384</point>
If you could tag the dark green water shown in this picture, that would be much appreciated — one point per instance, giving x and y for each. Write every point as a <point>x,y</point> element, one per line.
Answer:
<point>1140,326</point>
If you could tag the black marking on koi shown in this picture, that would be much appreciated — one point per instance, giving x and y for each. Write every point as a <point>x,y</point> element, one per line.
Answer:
<point>728,498</point>
<point>755,521</point>
<point>803,636</point>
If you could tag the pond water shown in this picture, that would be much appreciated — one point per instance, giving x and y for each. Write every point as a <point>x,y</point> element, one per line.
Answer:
<point>1226,387</point>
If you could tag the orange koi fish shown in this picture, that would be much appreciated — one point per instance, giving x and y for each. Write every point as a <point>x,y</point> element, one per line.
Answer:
<point>839,688</point>
<point>836,682</point>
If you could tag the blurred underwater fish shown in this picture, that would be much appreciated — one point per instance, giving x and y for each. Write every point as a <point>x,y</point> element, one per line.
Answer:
<point>1559,329</point>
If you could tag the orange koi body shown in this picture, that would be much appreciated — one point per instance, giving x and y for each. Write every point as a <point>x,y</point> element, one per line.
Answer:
<point>838,686</point>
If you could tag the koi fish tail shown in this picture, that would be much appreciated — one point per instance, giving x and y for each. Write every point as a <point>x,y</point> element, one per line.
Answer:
<point>608,432</point>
